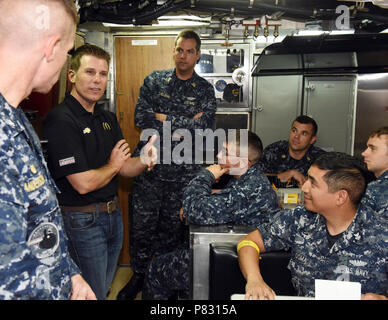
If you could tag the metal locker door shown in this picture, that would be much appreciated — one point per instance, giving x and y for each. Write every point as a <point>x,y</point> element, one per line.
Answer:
<point>276,103</point>
<point>330,101</point>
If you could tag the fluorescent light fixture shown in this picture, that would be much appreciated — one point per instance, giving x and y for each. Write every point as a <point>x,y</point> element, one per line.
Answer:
<point>115,25</point>
<point>372,76</point>
<point>262,39</point>
<point>185,17</point>
<point>347,31</point>
<point>310,32</point>
<point>319,32</point>
<point>160,23</point>
<point>167,21</point>
<point>380,3</point>
<point>178,23</point>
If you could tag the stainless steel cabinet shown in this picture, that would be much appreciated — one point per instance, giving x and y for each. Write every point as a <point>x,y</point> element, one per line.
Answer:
<point>200,239</point>
<point>372,107</point>
<point>342,83</point>
<point>330,101</point>
<point>276,102</point>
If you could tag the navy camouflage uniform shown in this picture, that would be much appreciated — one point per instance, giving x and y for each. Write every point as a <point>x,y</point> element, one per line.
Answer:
<point>359,255</point>
<point>376,195</point>
<point>276,159</point>
<point>168,274</point>
<point>34,261</point>
<point>155,227</point>
<point>249,200</point>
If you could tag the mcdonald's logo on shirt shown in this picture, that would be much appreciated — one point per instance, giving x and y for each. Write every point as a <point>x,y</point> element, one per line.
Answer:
<point>106,126</point>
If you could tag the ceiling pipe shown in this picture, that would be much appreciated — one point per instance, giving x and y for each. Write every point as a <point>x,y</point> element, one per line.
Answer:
<point>246,6</point>
<point>129,15</point>
<point>124,12</point>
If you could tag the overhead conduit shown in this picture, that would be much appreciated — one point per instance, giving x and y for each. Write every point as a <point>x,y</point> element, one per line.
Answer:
<point>143,12</point>
<point>125,12</point>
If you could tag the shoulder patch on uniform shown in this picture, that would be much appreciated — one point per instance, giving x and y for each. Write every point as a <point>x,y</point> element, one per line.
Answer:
<point>66,161</point>
<point>44,240</point>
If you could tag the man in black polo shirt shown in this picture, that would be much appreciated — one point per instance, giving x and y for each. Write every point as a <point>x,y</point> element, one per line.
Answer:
<point>86,151</point>
<point>286,162</point>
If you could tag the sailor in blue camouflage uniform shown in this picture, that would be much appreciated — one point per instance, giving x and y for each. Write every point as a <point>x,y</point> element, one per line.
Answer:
<point>172,99</point>
<point>34,260</point>
<point>343,242</point>
<point>286,162</point>
<point>376,159</point>
<point>247,199</point>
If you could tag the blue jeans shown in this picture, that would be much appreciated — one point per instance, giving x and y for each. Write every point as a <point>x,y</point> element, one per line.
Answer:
<point>95,241</point>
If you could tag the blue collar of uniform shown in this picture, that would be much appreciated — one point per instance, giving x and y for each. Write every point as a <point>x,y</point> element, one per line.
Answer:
<point>307,155</point>
<point>384,176</point>
<point>13,122</point>
<point>10,118</point>
<point>254,168</point>
<point>356,233</point>
<point>190,80</point>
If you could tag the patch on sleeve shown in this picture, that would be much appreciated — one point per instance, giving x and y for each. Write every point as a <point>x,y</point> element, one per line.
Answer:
<point>65,162</point>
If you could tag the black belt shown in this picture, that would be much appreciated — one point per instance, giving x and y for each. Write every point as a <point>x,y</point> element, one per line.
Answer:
<point>108,207</point>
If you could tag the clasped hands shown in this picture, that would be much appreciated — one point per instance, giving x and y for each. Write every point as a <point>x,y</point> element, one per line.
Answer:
<point>287,175</point>
<point>121,153</point>
<point>163,117</point>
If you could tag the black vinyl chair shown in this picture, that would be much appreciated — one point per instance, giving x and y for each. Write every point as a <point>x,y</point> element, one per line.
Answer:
<point>226,279</point>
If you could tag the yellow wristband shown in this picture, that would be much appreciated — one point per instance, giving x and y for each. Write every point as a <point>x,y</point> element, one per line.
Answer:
<point>249,243</point>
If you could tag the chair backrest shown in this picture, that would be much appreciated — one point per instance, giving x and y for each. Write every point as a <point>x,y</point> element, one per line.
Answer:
<point>226,278</point>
